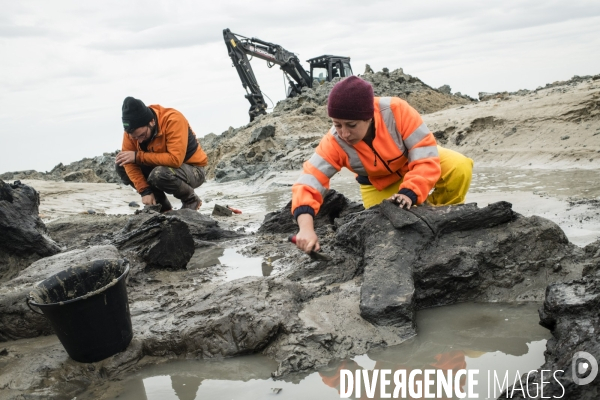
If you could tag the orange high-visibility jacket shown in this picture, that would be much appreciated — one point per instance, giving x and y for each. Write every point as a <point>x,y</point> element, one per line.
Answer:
<point>403,148</point>
<point>168,148</point>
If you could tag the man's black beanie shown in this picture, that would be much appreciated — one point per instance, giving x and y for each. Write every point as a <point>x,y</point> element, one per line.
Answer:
<point>135,114</point>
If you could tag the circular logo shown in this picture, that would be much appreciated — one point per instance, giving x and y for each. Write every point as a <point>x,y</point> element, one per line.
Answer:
<point>587,368</point>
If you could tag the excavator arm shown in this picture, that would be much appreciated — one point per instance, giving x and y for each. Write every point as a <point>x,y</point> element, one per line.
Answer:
<point>239,49</point>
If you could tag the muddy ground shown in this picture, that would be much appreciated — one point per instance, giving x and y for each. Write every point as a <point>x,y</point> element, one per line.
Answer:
<point>161,298</point>
<point>534,150</point>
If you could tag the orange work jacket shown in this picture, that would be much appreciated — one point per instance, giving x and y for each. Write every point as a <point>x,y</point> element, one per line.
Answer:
<point>168,148</point>
<point>403,149</point>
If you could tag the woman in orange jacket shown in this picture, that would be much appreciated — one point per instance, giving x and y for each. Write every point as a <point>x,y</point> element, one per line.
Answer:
<point>393,153</point>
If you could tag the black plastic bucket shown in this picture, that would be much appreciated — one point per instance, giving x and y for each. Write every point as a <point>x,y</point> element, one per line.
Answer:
<point>88,308</point>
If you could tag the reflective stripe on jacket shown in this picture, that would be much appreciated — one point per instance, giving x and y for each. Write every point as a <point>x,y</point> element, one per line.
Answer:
<point>168,148</point>
<point>403,148</point>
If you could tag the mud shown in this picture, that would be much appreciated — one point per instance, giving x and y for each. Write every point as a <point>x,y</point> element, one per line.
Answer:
<point>310,313</point>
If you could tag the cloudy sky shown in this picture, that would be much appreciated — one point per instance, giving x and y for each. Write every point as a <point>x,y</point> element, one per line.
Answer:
<point>66,66</point>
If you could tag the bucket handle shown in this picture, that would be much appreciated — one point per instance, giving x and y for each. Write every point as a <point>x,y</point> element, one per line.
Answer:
<point>27,300</point>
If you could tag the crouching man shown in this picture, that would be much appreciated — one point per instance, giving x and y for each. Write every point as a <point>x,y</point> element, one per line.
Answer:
<point>160,154</point>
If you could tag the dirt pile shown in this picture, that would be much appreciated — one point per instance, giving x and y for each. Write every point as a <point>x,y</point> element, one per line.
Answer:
<point>99,169</point>
<point>296,126</point>
<point>396,83</point>
<point>484,96</point>
<point>551,127</point>
<point>557,126</point>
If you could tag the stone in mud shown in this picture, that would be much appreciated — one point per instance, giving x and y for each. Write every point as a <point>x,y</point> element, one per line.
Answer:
<point>161,241</point>
<point>592,266</point>
<point>84,230</point>
<point>23,236</point>
<point>203,227</point>
<point>17,321</point>
<point>221,211</point>
<point>262,133</point>
<point>570,311</point>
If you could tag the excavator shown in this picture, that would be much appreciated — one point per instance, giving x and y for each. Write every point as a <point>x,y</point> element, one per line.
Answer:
<point>322,69</point>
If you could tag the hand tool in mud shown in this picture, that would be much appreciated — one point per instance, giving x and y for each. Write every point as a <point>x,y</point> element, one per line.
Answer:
<point>313,254</point>
<point>234,210</point>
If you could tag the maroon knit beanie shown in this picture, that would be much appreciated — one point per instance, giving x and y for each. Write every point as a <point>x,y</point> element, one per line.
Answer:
<point>351,98</point>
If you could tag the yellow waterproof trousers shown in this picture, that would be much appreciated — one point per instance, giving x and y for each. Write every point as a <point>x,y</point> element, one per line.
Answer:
<point>451,188</point>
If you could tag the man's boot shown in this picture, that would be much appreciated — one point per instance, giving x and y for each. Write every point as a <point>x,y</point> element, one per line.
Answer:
<point>188,197</point>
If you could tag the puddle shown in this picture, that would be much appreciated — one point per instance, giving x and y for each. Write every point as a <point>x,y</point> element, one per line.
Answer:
<point>557,183</point>
<point>498,337</point>
<point>231,263</point>
<point>554,195</point>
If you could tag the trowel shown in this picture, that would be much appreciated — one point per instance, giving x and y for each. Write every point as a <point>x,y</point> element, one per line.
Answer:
<point>313,254</point>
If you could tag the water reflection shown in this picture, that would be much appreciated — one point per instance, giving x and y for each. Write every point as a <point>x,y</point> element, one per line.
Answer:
<point>267,265</point>
<point>574,182</point>
<point>234,264</point>
<point>205,257</point>
<point>189,380</point>
<point>497,337</point>
<point>185,387</point>
<point>502,338</point>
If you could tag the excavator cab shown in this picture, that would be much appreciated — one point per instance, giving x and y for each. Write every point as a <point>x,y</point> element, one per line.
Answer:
<point>327,67</point>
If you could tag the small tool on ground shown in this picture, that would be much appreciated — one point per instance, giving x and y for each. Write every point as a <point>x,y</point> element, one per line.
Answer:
<point>234,210</point>
<point>313,254</point>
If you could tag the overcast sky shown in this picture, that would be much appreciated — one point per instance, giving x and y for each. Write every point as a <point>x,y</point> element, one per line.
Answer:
<point>66,66</point>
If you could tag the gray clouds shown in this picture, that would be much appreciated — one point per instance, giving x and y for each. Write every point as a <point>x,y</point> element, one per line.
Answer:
<point>173,35</point>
